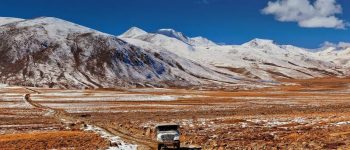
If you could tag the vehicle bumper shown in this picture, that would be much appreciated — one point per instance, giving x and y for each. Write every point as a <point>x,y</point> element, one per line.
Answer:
<point>169,142</point>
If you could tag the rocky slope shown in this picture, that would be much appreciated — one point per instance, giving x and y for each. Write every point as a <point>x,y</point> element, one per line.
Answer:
<point>55,53</point>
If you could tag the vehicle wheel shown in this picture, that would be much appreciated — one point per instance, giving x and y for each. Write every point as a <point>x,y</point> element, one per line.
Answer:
<point>177,146</point>
<point>160,146</point>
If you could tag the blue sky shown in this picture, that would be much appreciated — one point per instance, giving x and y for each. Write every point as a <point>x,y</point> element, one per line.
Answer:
<point>223,21</point>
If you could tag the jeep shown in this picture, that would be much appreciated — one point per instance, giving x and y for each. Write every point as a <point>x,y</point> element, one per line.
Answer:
<point>168,135</point>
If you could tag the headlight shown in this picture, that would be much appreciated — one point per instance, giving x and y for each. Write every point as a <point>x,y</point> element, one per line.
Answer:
<point>176,138</point>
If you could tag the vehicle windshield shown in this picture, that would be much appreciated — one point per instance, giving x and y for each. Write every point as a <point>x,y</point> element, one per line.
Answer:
<point>167,128</point>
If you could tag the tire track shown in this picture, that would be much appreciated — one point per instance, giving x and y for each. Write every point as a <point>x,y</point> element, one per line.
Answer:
<point>64,117</point>
<point>119,133</point>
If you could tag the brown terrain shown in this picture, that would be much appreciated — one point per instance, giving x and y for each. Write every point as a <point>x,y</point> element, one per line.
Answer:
<point>52,140</point>
<point>301,114</point>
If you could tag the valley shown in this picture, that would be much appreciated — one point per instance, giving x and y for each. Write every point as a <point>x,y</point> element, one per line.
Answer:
<point>303,114</point>
<point>67,86</point>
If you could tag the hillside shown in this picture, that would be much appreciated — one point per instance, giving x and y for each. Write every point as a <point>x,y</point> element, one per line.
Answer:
<point>51,52</point>
<point>56,53</point>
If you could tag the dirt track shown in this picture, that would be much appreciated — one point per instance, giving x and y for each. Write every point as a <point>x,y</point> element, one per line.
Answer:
<point>67,119</point>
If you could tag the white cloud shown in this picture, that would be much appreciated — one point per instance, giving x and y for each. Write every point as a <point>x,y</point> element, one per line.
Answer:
<point>320,14</point>
<point>338,45</point>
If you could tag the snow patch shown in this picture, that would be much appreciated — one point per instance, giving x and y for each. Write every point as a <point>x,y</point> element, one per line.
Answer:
<point>113,139</point>
<point>342,123</point>
<point>7,20</point>
<point>2,85</point>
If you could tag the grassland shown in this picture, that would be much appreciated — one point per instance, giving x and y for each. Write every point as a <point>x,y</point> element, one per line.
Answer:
<point>301,114</point>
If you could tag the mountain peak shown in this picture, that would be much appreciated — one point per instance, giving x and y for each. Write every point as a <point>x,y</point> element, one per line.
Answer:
<point>46,21</point>
<point>49,20</point>
<point>174,34</point>
<point>260,43</point>
<point>55,27</point>
<point>133,32</point>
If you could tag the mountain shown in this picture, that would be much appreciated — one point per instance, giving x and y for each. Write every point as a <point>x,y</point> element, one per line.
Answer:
<point>52,52</point>
<point>134,32</point>
<point>174,34</point>
<point>338,55</point>
<point>195,41</point>
<point>201,41</point>
<point>257,59</point>
<point>175,45</point>
<point>7,20</point>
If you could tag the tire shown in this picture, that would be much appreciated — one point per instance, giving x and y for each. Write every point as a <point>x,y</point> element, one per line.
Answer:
<point>160,146</point>
<point>177,146</point>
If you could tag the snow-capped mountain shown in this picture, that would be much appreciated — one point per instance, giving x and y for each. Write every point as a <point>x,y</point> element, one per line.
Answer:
<point>134,32</point>
<point>169,43</point>
<point>195,41</point>
<point>201,41</point>
<point>258,58</point>
<point>338,55</point>
<point>174,34</point>
<point>52,52</point>
<point>7,20</point>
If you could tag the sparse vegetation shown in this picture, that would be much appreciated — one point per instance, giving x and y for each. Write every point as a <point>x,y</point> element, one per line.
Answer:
<point>53,140</point>
<point>302,114</point>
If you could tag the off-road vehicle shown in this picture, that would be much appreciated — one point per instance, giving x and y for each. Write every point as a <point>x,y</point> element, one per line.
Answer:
<point>168,135</point>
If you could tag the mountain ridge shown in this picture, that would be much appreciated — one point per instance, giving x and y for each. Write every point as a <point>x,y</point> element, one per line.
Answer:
<point>52,52</point>
<point>259,58</point>
<point>48,51</point>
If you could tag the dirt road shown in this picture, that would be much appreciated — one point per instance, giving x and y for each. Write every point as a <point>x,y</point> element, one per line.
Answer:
<point>70,121</point>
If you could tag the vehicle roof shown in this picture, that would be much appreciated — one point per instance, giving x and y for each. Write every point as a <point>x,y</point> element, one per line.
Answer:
<point>167,124</point>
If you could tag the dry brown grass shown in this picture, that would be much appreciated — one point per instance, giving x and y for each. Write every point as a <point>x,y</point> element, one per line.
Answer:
<point>228,116</point>
<point>321,102</point>
<point>52,140</point>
